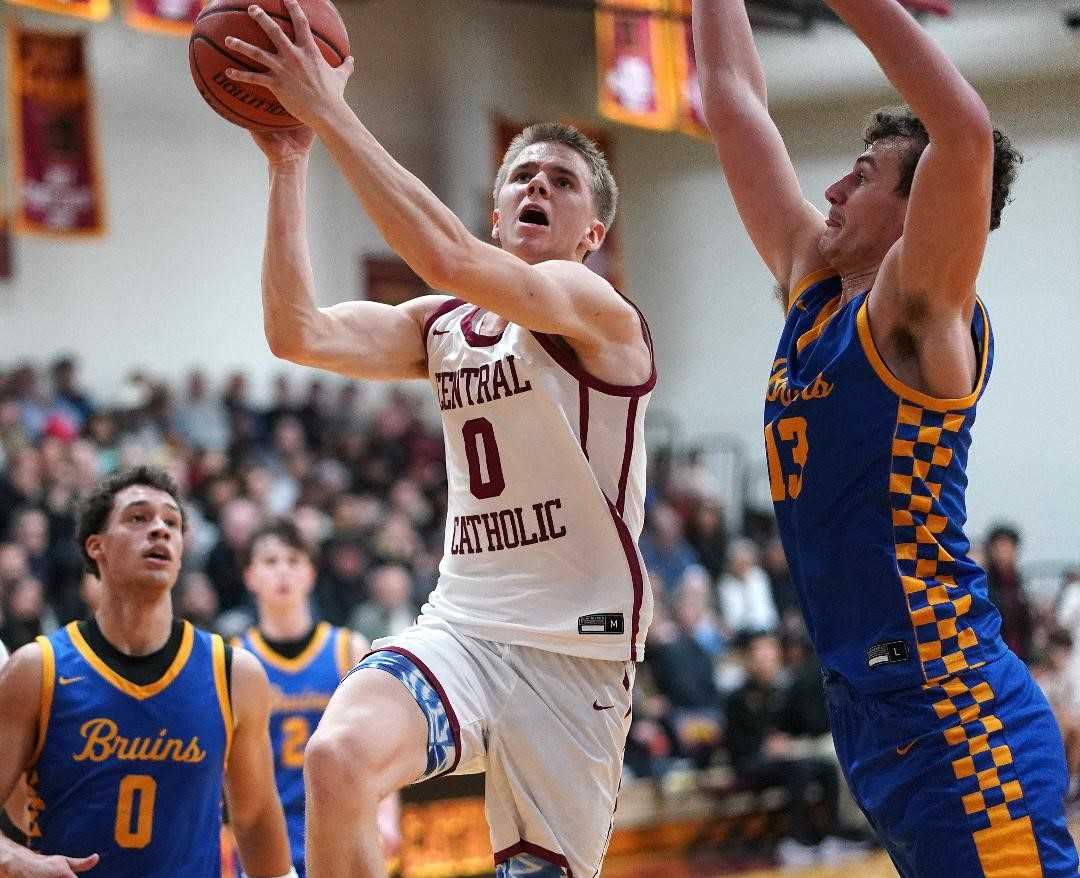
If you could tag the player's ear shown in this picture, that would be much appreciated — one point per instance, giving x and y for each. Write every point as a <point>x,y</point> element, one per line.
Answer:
<point>495,225</point>
<point>594,236</point>
<point>94,548</point>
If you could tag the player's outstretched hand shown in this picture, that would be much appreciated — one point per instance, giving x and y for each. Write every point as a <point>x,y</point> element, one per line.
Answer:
<point>281,147</point>
<point>297,73</point>
<point>935,7</point>
<point>31,865</point>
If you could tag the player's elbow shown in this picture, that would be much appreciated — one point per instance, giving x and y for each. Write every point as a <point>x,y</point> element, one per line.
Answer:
<point>970,131</point>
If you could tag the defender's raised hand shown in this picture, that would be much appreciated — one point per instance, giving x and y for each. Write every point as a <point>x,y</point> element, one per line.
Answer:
<point>296,72</point>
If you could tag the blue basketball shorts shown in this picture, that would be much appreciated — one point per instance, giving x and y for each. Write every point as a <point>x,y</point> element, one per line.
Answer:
<point>963,778</point>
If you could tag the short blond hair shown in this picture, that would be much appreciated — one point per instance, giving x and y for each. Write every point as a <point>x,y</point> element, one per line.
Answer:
<point>601,183</point>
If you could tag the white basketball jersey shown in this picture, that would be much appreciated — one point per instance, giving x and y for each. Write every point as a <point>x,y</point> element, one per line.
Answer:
<point>546,472</point>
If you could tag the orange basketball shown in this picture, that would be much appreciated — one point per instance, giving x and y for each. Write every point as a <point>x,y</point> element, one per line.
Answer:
<point>248,105</point>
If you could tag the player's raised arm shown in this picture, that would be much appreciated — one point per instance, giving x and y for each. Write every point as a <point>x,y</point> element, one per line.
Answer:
<point>949,211</point>
<point>20,681</point>
<point>783,225</point>
<point>254,808</point>
<point>551,298</point>
<point>357,339</point>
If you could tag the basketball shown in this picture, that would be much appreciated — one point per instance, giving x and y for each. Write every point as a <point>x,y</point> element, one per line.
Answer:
<point>252,106</point>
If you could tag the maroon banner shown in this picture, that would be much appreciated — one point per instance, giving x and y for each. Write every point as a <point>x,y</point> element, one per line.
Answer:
<point>172,17</point>
<point>54,153</point>
<point>635,78</point>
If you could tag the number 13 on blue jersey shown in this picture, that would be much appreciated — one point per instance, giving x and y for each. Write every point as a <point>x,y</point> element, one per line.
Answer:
<point>787,433</point>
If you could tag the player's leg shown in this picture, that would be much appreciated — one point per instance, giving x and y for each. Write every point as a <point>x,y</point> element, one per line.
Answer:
<point>371,741</point>
<point>413,709</point>
<point>554,764</point>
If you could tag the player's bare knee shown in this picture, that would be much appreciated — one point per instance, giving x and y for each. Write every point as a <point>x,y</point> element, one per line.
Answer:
<point>331,758</point>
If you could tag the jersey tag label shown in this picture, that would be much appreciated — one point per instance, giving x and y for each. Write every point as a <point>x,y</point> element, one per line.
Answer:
<point>891,653</point>
<point>601,623</point>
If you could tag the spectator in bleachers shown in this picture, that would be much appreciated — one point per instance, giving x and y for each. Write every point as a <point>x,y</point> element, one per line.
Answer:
<point>197,601</point>
<point>239,518</point>
<point>341,583</point>
<point>1067,604</point>
<point>746,602</point>
<point>68,398</point>
<point>390,609</point>
<point>1006,587</point>
<point>774,563</point>
<point>680,660</point>
<point>200,419</point>
<point>760,738</point>
<point>664,548</point>
<point>1056,674</point>
<point>707,533</point>
<point>27,614</point>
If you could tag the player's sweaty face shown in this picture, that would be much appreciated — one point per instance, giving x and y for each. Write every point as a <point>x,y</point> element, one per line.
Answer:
<point>143,538</point>
<point>545,208</point>
<point>866,214</point>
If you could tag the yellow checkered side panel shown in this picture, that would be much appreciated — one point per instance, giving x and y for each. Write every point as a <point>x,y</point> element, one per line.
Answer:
<point>981,760</point>
<point>921,457</point>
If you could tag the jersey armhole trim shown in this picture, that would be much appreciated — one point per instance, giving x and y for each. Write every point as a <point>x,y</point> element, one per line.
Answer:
<point>811,280</point>
<point>217,645</point>
<point>569,362</point>
<point>902,390</point>
<point>444,309</point>
<point>48,682</point>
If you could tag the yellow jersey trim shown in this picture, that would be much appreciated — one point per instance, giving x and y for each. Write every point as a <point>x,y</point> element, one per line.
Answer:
<point>902,390</point>
<point>344,651</point>
<point>48,682</point>
<point>825,316</point>
<point>140,693</point>
<point>292,665</point>
<point>803,285</point>
<point>221,684</point>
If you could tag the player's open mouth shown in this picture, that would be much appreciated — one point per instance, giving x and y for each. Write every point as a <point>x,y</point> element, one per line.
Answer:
<point>533,216</point>
<point>159,554</point>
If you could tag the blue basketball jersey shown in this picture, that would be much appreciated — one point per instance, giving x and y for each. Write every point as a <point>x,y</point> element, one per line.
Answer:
<point>868,479</point>
<point>132,772</point>
<point>301,688</point>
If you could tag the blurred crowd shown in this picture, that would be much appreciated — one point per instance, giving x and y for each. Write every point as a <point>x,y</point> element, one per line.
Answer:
<point>730,682</point>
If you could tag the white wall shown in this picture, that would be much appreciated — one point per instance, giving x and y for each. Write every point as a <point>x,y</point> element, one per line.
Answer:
<point>177,280</point>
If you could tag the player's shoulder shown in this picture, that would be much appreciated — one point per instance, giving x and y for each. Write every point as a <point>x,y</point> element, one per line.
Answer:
<point>23,671</point>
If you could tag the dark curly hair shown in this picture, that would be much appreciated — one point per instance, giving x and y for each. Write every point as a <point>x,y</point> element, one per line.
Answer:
<point>98,504</point>
<point>902,122</point>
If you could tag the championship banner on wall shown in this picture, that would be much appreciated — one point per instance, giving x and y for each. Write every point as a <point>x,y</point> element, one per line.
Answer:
<point>92,10</point>
<point>690,116</point>
<point>173,17</point>
<point>635,73</point>
<point>57,189</point>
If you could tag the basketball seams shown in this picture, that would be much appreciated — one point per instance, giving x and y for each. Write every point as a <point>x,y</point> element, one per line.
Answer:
<point>217,10</point>
<point>224,110</point>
